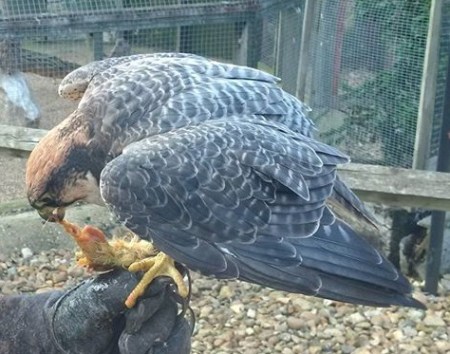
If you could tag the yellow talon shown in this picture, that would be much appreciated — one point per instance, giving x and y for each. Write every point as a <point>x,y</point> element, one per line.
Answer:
<point>133,254</point>
<point>160,265</point>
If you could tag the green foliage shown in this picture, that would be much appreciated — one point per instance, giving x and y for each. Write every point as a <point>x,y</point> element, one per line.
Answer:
<point>394,90</point>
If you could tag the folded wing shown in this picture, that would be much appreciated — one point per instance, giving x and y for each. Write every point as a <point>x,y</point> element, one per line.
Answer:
<point>247,198</point>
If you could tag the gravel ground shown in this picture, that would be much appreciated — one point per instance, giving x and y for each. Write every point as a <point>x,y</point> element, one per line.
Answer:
<point>235,317</point>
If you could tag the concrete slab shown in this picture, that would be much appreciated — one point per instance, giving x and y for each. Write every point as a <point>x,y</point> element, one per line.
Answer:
<point>20,227</point>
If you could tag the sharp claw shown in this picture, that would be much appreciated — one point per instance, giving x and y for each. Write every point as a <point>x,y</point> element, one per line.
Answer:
<point>160,265</point>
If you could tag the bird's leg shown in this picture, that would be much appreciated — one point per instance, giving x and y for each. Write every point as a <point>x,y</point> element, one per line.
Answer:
<point>160,265</point>
<point>134,254</point>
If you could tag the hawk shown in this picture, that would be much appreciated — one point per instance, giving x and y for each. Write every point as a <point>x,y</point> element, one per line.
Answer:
<point>218,166</point>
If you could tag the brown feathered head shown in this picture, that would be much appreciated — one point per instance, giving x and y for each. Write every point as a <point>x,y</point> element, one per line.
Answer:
<point>64,168</point>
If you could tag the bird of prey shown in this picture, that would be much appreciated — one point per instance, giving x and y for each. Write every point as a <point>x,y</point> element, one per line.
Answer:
<point>218,166</point>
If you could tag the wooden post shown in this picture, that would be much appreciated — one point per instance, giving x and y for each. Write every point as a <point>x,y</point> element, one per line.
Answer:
<point>288,41</point>
<point>9,44</point>
<point>428,88</point>
<point>97,45</point>
<point>241,50</point>
<point>305,48</point>
<point>252,35</point>
<point>248,48</point>
<point>434,254</point>
<point>9,55</point>
<point>324,54</point>
<point>339,42</point>
<point>240,47</point>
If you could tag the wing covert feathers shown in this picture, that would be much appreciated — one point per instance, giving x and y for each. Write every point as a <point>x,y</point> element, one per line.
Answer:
<point>241,198</point>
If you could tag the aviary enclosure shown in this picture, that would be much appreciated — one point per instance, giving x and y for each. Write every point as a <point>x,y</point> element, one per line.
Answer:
<point>375,74</point>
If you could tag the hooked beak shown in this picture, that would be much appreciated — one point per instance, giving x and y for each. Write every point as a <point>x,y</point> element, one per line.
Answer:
<point>52,214</point>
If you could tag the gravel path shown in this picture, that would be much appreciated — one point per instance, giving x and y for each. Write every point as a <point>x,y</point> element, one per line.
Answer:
<point>234,317</point>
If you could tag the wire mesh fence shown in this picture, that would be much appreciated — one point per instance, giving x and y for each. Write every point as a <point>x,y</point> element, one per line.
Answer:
<point>366,76</point>
<point>50,38</point>
<point>364,58</point>
<point>55,35</point>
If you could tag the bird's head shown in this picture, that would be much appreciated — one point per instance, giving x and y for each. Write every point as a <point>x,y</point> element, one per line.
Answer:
<point>62,169</point>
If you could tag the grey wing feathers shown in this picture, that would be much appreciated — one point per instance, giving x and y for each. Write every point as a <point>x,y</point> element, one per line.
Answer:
<point>74,84</point>
<point>151,95</point>
<point>335,264</point>
<point>190,82</point>
<point>241,197</point>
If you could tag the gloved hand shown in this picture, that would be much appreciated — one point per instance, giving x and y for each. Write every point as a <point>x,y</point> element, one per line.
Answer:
<point>92,318</point>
